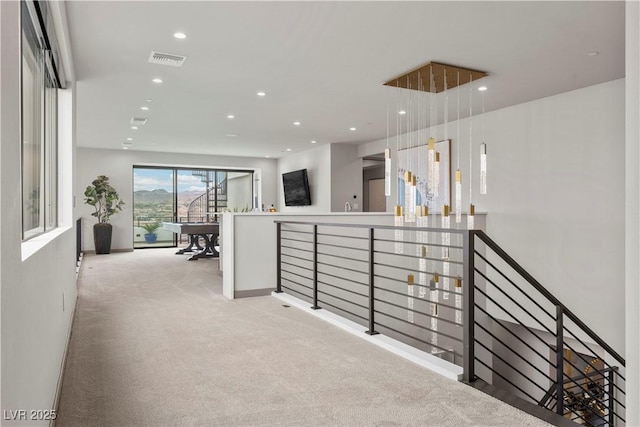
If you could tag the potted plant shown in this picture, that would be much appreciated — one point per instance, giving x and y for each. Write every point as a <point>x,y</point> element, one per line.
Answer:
<point>106,201</point>
<point>150,228</point>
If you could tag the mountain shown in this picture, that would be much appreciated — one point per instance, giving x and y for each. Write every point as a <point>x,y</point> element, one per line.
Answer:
<point>152,196</point>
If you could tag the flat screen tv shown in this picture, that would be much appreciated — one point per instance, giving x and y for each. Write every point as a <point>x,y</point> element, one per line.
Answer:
<point>296,188</point>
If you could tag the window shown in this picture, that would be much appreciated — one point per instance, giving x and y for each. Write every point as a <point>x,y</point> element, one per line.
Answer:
<point>39,127</point>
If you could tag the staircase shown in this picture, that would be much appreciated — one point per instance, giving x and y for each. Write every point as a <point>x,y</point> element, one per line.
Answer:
<point>214,200</point>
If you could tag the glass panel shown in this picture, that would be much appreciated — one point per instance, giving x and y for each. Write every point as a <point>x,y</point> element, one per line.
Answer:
<point>240,191</point>
<point>153,203</point>
<point>51,153</point>
<point>32,150</point>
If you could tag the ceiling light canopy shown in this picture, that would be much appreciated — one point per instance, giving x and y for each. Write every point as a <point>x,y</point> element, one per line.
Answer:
<point>482,88</point>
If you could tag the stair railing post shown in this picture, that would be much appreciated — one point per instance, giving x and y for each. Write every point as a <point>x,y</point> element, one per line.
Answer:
<point>468,333</point>
<point>372,322</point>
<point>559,360</point>
<point>278,258</point>
<point>315,268</point>
<point>610,391</point>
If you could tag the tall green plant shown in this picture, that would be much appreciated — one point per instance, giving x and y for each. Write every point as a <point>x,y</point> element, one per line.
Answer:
<point>104,198</point>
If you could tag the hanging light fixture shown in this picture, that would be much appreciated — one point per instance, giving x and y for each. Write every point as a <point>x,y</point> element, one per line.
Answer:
<point>458,196</point>
<point>387,172</point>
<point>446,242</point>
<point>483,156</point>
<point>398,221</point>
<point>422,221</point>
<point>458,288</point>
<point>471,217</point>
<point>436,175</point>
<point>433,311</point>
<point>410,283</point>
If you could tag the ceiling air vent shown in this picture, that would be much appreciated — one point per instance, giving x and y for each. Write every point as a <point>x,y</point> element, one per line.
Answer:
<point>139,121</point>
<point>167,59</point>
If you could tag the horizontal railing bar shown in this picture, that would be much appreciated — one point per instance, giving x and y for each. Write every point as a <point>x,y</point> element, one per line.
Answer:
<point>296,240</point>
<point>513,368</point>
<point>515,285</point>
<point>342,299</point>
<point>411,242</point>
<point>513,317</point>
<point>343,257</point>
<point>299,284</point>
<point>376,227</point>
<point>447,350</point>
<point>413,271</point>
<point>350,248</point>
<point>504,378</point>
<point>419,257</point>
<point>419,326</point>
<point>297,257</point>
<point>418,298</point>
<point>290,230</point>
<point>513,301</point>
<point>342,278</point>
<point>296,249</point>
<point>293,290</point>
<point>343,289</point>
<point>418,312</point>
<point>545,358</point>
<point>341,268</point>
<point>513,264</point>
<point>297,266</point>
<point>345,311</point>
<point>342,236</point>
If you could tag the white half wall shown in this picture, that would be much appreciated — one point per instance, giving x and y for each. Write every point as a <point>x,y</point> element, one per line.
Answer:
<point>37,278</point>
<point>118,166</point>
<point>556,191</point>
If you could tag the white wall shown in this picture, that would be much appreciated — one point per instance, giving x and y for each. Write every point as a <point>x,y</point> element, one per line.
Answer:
<point>317,161</point>
<point>346,177</point>
<point>118,166</point>
<point>38,291</point>
<point>555,195</point>
<point>632,211</point>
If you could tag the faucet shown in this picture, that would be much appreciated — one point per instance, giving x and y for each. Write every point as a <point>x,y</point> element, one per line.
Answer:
<point>347,207</point>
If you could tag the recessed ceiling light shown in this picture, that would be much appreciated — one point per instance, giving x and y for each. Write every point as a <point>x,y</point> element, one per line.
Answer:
<point>144,108</point>
<point>134,127</point>
<point>261,93</point>
<point>313,142</point>
<point>231,135</point>
<point>288,149</point>
<point>296,123</point>
<point>157,80</point>
<point>231,116</point>
<point>593,53</point>
<point>482,88</point>
<point>125,148</point>
<point>267,156</point>
<point>402,112</point>
<point>129,139</point>
<point>180,35</point>
<point>352,129</point>
<point>149,100</point>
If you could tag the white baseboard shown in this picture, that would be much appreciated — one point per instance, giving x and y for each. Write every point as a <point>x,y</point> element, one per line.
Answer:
<point>424,359</point>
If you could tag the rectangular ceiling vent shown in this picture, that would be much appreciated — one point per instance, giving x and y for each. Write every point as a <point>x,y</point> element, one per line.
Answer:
<point>139,121</point>
<point>127,143</point>
<point>167,59</point>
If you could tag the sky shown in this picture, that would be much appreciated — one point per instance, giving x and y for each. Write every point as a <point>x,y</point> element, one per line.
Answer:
<point>157,179</point>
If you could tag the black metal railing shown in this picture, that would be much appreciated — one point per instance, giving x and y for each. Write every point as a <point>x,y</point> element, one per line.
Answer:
<point>456,294</point>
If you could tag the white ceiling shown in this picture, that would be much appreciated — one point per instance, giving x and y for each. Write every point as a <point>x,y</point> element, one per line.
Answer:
<point>321,63</point>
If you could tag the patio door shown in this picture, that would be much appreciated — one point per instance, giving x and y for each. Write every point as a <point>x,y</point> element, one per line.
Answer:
<point>154,202</point>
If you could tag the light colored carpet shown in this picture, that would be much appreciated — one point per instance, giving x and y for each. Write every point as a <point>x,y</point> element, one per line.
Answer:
<point>155,343</point>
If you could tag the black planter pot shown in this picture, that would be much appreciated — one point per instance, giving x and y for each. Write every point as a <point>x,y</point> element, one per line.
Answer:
<point>102,238</point>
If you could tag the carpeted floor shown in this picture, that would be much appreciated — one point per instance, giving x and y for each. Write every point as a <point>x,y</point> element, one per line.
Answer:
<point>154,343</point>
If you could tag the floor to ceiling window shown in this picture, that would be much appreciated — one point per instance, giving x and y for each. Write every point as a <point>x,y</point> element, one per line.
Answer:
<point>184,195</point>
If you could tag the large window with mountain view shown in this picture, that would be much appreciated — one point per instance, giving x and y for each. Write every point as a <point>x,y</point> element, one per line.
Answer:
<point>184,195</point>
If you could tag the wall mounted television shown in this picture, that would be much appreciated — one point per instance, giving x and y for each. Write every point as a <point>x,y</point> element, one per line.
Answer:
<point>296,188</point>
